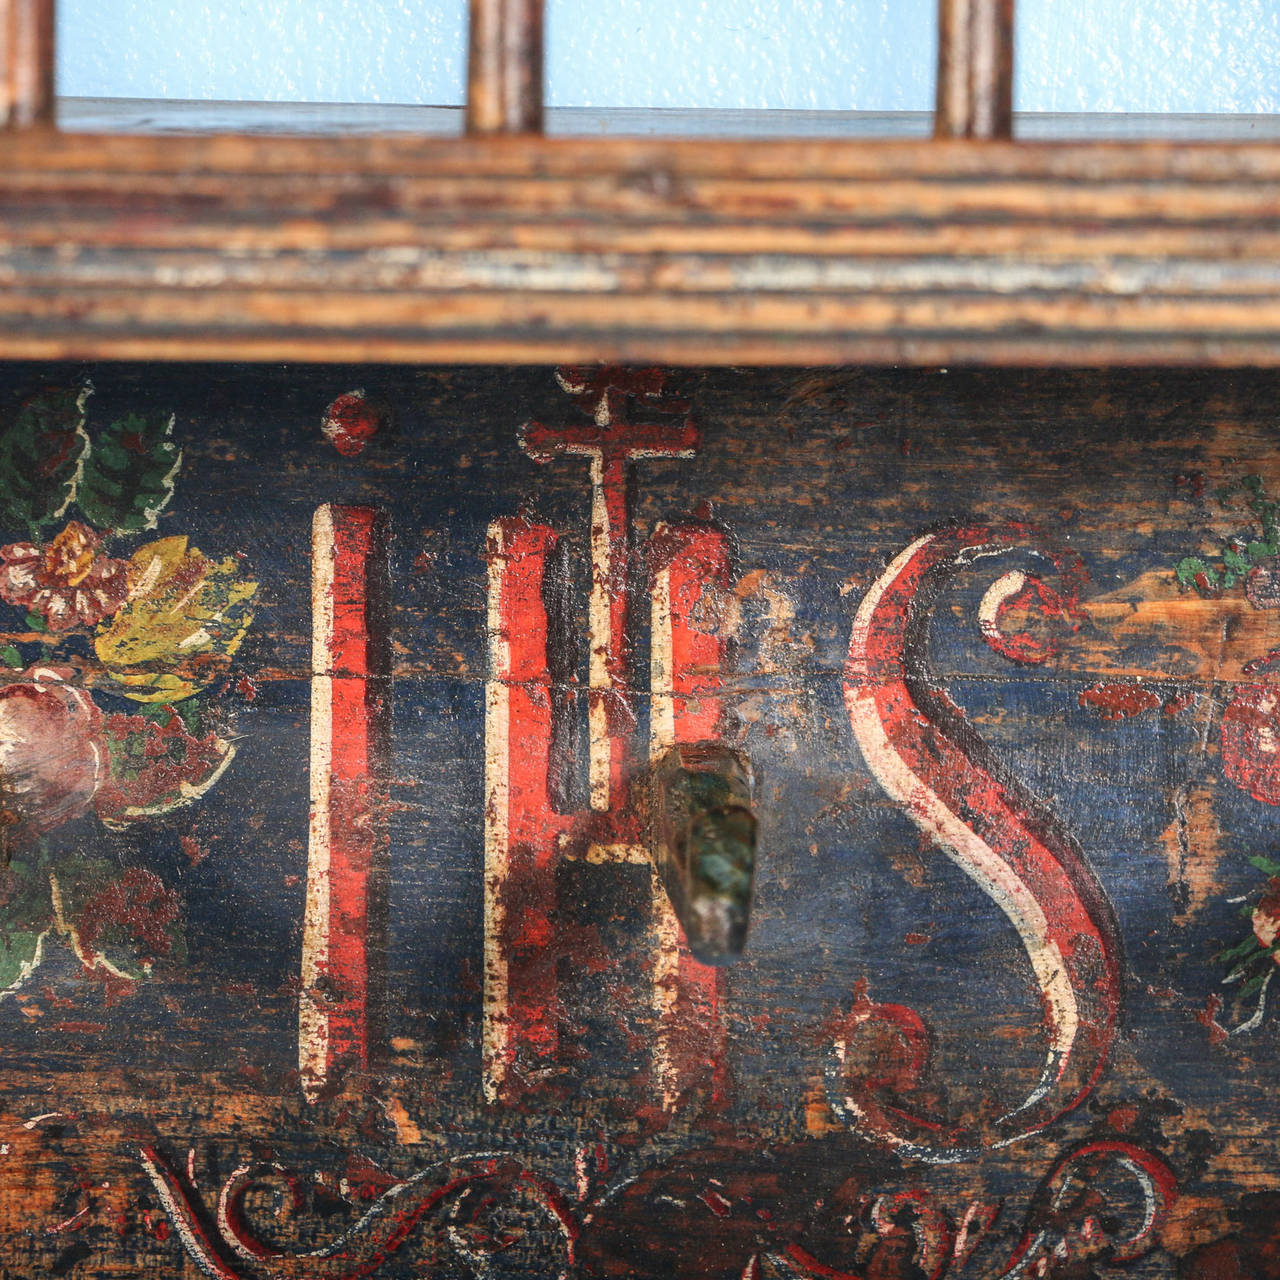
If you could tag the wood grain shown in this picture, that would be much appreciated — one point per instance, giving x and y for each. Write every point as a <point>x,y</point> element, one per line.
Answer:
<point>1150,736</point>
<point>525,249</point>
<point>504,70</point>
<point>975,69</point>
<point>26,63</point>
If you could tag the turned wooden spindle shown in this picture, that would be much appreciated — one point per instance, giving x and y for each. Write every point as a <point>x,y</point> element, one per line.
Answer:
<point>504,73</point>
<point>975,69</point>
<point>26,63</point>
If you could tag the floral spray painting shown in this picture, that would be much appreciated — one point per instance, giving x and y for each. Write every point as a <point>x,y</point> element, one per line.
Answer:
<point>115,643</point>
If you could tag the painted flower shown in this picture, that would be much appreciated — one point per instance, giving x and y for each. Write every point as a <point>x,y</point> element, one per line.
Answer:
<point>351,421</point>
<point>1251,741</point>
<point>138,909</point>
<point>1262,585</point>
<point>156,767</point>
<point>184,616</point>
<point>51,754</point>
<point>67,582</point>
<point>1266,915</point>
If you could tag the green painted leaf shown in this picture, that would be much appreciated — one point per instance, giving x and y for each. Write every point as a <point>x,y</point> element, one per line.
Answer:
<point>120,921</point>
<point>41,452</point>
<point>1234,560</point>
<point>1231,955</point>
<point>1265,864</point>
<point>20,955</point>
<point>28,907</point>
<point>128,476</point>
<point>10,656</point>
<point>1254,983</point>
<point>1192,570</point>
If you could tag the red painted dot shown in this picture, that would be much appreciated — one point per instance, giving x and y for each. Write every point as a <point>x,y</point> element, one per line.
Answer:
<point>350,422</point>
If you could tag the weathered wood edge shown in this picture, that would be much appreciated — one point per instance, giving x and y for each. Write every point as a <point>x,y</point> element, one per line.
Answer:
<point>975,69</point>
<point>504,67</point>
<point>344,119</point>
<point>27,63</point>
<point>522,249</point>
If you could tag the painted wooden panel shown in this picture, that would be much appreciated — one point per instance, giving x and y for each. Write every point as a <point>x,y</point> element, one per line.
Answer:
<point>330,936</point>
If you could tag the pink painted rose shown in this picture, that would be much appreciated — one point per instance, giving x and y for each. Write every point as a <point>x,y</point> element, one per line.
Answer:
<point>51,755</point>
<point>67,582</point>
<point>1251,741</point>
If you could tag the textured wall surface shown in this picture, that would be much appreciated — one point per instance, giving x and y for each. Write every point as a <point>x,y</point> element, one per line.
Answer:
<point>1086,55</point>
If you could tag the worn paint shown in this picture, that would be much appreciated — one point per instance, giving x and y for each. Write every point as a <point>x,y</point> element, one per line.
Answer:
<point>348,764</point>
<point>650,1117</point>
<point>923,753</point>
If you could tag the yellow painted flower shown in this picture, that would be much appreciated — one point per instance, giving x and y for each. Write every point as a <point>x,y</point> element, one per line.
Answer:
<point>185,615</point>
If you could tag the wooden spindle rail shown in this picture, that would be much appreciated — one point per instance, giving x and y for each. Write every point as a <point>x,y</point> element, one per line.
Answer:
<point>26,63</point>
<point>975,69</point>
<point>504,74</point>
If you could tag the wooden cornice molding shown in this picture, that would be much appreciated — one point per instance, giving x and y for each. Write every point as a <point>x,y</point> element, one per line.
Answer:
<point>554,249</point>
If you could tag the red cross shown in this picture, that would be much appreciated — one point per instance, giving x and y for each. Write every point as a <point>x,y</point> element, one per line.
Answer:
<point>612,442</point>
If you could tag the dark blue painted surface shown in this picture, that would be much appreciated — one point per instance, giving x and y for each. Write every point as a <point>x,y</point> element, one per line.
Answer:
<point>820,482</point>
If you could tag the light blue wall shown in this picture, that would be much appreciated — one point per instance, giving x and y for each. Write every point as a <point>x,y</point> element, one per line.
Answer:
<point>875,55</point>
<point>265,50</point>
<point>1148,55</point>
<point>1073,55</point>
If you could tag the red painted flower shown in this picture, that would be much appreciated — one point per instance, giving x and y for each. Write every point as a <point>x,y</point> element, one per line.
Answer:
<point>51,757</point>
<point>1251,741</point>
<point>1266,915</point>
<point>155,767</point>
<point>67,582</point>
<point>351,421</point>
<point>140,906</point>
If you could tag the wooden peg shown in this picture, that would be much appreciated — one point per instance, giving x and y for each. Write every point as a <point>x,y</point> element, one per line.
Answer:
<point>703,843</point>
<point>504,73</point>
<point>26,63</point>
<point>975,69</point>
